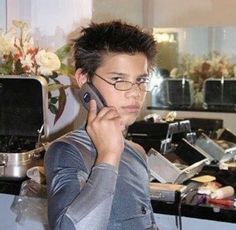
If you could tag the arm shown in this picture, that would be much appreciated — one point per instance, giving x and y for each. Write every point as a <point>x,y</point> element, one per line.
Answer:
<point>75,196</point>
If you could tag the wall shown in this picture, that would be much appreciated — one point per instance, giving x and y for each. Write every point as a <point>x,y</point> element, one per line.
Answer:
<point>130,11</point>
<point>185,13</point>
<point>167,13</point>
<point>50,21</point>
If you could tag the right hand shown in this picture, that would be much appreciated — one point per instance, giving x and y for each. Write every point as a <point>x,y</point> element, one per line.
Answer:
<point>105,130</point>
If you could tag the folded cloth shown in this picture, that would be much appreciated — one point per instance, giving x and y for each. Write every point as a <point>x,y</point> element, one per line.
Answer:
<point>37,174</point>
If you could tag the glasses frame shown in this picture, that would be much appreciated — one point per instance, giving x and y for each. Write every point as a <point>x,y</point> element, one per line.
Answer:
<point>131,84</point>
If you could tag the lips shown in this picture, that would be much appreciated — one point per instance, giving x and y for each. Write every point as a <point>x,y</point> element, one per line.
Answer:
<point>131,108</point>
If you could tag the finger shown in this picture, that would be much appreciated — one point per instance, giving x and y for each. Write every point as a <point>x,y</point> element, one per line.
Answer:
<point>112,114</point>
<point>107,112</point>
<point>92,113</point>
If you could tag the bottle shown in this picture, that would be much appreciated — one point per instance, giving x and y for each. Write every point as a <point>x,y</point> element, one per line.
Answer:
<point>223,192</point>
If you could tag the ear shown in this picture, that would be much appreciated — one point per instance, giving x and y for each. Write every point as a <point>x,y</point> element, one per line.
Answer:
<point>80,77</point>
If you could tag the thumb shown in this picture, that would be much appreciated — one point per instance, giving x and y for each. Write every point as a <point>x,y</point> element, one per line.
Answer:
<point>92,113</point>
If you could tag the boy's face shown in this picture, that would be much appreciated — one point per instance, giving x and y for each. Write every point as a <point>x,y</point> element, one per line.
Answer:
<point>125,67</point>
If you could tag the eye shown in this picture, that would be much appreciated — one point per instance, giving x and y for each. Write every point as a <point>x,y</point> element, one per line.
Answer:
<point>117,78</point>
<point>143,79</point>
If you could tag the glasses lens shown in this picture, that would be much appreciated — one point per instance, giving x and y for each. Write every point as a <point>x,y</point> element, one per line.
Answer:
<point>126,85</point>
<point>123,85</point>
<point>145,86</point>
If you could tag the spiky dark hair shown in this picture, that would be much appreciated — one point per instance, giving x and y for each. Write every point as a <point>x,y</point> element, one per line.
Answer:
<point>110,37</point>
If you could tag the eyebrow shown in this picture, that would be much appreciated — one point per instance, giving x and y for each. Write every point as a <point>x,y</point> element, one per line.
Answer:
<point>124,74</point>
<point>118,73</point>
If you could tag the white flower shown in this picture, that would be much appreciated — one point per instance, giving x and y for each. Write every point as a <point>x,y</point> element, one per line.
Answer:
<point>47,62</point>
<point>24,45</point>
<point>20,24</point>
<point>27,61</point>
<point>27,41</point>
<point>6,44</point>
<point>225,72</point>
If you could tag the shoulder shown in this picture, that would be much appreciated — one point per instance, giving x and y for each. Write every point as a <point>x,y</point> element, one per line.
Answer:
<point>72,147</point>
<point>76,139</point>
<point>60,152</point>
<point>138,148</point>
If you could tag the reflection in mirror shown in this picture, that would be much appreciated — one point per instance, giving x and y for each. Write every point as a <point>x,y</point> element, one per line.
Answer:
<point>188,58</point>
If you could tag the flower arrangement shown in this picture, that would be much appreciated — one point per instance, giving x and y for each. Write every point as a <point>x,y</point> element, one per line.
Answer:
<point>20,56</point>
<point>198,69</point>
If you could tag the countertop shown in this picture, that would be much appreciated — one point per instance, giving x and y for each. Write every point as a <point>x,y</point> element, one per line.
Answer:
<point>22,212</point>
<point>9,191</point>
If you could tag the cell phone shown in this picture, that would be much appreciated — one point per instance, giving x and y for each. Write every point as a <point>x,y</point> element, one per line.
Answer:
<point>88,92</point>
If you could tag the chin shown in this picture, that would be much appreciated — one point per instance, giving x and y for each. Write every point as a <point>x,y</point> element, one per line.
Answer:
<point>129,121</point>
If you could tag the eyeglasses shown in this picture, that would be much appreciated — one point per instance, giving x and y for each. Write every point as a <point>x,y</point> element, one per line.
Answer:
<point>144,84</point>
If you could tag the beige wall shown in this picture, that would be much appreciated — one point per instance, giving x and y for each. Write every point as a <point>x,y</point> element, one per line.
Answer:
<point>167,13</point>
<point>183,13</point>
<point>127,10</point>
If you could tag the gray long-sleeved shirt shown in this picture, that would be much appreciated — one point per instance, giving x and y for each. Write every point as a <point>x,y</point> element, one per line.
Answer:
<point>82,195</point>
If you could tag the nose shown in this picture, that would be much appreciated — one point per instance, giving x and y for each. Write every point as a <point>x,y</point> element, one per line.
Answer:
<point>134,91</point>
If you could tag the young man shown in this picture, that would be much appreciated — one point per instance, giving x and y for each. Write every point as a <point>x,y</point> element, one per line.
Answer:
<point>97,179</point>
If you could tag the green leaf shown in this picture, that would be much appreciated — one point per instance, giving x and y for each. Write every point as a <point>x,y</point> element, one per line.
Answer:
<point>62,52</point>
<point>54,100</point>
<point>66,70</point>
<point>55,86</point>
<point>7,67</point>
<point>61,104</point>
<point>18,67</point>
<point>5,70</point>
<point>53,109</point>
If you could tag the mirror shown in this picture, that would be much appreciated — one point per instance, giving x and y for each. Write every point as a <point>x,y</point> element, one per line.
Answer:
<point>188,58</point>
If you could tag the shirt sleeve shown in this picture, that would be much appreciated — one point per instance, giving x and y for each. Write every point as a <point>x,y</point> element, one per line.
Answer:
<point>77,198</point>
